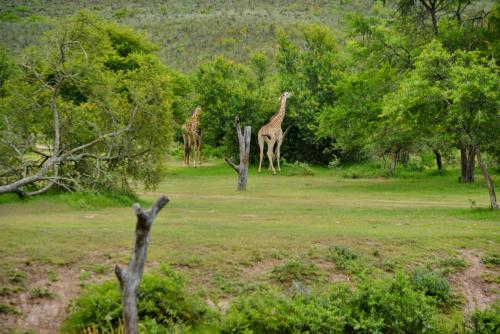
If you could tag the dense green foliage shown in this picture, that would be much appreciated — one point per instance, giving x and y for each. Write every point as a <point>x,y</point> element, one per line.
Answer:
<point>162,302</point>
<point>93,95</point>
<point>389,306</point>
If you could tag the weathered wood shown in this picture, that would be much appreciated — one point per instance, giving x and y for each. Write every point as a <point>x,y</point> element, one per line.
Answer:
<point>130,278</point>
<point>487,178</point>
<point>244,144</point>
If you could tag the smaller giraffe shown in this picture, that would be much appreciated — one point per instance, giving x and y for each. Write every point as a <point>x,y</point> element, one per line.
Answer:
<point>191,134</point>
<point>272,133</point>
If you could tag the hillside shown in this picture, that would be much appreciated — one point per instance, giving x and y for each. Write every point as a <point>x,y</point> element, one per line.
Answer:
<point>186,32</point>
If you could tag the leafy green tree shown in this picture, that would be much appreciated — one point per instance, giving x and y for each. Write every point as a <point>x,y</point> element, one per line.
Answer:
<point>310,74</point>
<point>90,107</point>
<point>227,89</point>
<point>378,54</point>
<point>456,93</point>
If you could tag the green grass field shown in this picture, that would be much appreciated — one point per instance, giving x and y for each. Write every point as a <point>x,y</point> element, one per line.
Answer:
<point>225,241</point>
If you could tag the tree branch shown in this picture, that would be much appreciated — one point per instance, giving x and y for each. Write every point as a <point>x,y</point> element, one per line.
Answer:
<point>232,164</point>
<point>130,278</point>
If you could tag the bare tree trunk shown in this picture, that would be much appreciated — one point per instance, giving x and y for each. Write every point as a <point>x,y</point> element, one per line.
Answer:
<point>244,143</point>
<point>434,21</point>
<point>439,161</point>
<point>394,161</point>
<point>130,278</point>
<point>463,162</point>
<point>487,178</point>
<point>471,163</point>
<point>467,159</point>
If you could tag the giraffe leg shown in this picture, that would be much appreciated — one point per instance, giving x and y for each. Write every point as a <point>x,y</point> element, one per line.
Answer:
<point>261,148</point>
<point>270,146</point>
<point>189,149</point>
<point>278,154</point>
<point>185,138</point>
<point>268,142</point>
<point>195,151</point>
<point>199,150</point>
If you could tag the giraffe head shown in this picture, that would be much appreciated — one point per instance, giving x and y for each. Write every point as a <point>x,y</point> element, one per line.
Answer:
<point>197,112</point>
<point>285,96</point>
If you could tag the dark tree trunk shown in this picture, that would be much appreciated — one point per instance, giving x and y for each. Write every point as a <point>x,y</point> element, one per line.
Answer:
<point>130,278</point>
<point>439,161</point>
<point>394,161</point>
<point>487,178</point>
<point>404,157</point>
<point>244,143</point>
<point>467,163</point>
<point>434,22</point>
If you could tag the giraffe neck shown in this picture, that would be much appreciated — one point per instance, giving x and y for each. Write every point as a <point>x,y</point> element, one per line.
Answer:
<point>280,115</point>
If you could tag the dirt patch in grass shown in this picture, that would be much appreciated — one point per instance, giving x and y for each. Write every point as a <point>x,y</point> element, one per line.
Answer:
<point>477,292</point>
<point>333,275</point>
<point>44,314</point>
<point>260,269</point>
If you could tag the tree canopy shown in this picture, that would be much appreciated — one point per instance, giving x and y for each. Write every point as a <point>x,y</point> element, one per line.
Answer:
<point>90,106</point>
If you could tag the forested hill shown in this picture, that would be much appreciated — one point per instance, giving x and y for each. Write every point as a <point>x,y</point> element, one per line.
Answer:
<point>186,31</point>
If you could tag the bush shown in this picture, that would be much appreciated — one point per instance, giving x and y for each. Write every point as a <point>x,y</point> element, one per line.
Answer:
<point>486,321</point>
<point>272,312</point>
<point>294,270</point>
<point>432,284</point>
<point>161,300</point>
<point>348,261</point>
<point>297,169</point>
<point>391,306</point>
<point>491,259</point>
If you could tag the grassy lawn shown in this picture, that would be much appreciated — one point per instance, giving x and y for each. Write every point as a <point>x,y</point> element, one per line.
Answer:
<point>225,241</point>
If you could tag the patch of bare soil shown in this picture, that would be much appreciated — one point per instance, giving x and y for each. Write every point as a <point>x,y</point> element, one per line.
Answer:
<point>43,315</point>
<point>260,268</point>
<point>334,276</point>
<point>477,292</point>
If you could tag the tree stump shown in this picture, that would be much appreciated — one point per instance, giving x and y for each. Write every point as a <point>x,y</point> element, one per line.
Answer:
<point>130,278</point>
<point>244,143</point>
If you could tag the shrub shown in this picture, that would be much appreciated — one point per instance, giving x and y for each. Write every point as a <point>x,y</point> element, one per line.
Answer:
<point>432,284</point>
<point>486,321</point>
<point>18,277</point>
<point>271,312</point>
<point>7,309</point>
<point>42,293</point>
<point>390,306</point>
<point>294,270</point>
<point>452,265</point>
<point>491,259</point>
<point>341,256</point>
<point>297,169</point>
<point>161,297</point>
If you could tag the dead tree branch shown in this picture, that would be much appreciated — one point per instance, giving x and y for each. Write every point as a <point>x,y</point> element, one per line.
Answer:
<point>130,277</point>
<point>244,143</point>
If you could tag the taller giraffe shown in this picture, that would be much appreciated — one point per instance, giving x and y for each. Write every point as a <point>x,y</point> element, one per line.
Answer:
<point>272,133</point>
<point>191,134</point>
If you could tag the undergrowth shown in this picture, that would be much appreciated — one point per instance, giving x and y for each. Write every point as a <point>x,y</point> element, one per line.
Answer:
<point>80,200</point>
<point>399,304</point>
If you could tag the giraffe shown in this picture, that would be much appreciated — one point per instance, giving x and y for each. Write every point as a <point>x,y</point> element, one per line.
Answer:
<point>272,133</point>
<point>191,135</point>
